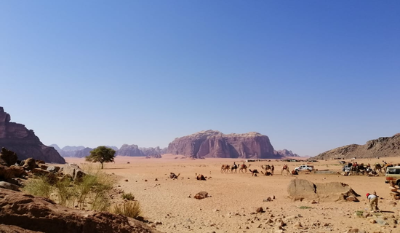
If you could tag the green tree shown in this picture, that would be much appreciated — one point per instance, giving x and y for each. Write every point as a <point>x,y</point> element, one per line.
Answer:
<point>101,154</point>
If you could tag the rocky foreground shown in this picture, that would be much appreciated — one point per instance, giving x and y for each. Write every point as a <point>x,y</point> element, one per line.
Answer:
<point>25,213</point>
<point>381,147</point>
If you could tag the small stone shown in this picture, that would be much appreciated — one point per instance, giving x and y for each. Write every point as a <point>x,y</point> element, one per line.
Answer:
<point>372,221</point>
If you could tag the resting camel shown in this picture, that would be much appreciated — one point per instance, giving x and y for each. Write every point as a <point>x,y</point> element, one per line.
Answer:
<point>267,173</point>
<point>173,176</point>
<point>285,168</point>
<point>200,177</point>
<point>225,168</point>
<point>243,168</point>
<point>268,169</point>
<point>253,172</point>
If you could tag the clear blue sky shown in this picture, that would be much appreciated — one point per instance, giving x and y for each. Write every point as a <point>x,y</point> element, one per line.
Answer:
<point>312,75</point>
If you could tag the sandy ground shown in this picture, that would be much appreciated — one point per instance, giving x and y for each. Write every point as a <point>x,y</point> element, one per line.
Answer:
<point>235,196</point>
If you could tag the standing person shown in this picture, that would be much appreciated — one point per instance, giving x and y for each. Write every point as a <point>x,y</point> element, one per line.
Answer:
<point>373,201</point>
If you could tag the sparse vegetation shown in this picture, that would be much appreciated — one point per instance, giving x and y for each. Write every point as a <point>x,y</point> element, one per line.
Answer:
<point>359,213</point>
<point>39,187</point>
<point>129,209</point>
<point>128,196</point>
<point>305,207</point>
<point>91,192</point>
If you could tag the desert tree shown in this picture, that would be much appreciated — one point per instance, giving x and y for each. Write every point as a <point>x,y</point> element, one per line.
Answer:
<point>102,155</point>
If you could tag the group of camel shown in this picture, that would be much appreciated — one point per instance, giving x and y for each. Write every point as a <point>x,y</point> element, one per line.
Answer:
<point>368,169</point>
<point>267,170</point>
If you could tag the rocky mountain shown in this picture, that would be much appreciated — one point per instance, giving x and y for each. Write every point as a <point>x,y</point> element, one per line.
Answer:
<point>214,144</point>
<point>83,153</point>
<point>155,152</point>
<point>286,153</point>
<point>130,150</point>
<point>381,147</point>
<point>24,142</point>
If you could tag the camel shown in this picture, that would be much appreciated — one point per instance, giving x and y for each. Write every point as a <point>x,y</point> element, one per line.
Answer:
<point>200,177</point>
<point>173,176</point>
<point>243,168</point>
<point>267,173</point>
<point>234,167</point>
<point>268,169</point>
<point>285,168</point>
<point>378,167</point>
<point>225,168</point>
<point>253,172</point>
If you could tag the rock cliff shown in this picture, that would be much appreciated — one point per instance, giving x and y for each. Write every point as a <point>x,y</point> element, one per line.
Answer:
<point>214,144</point>
<point>286,153</point>
<point>24,142</point>
<point>83,153</point>
<point>381,147</point>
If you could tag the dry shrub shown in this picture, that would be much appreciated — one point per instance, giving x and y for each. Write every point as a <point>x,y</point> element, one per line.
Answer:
<point>39,187</point>
<point>128,196</point>
<point>91,191</point>
<point>129,209</point>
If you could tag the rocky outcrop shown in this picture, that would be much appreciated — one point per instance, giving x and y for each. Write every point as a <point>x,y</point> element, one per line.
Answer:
<point>24,142</point>
<point>286,153</point>
<point>154,152</point>
<point>43,215</point>
<point>214,144</point>
<point>381,147</point>
<point>299,189</point>
<point>130,150</point>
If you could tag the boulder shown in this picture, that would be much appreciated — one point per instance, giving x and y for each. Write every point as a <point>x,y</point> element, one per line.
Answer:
<point>6,185</point>
<point>73,170</point>
<point>11,172</point>
<point>14,229</point>
<point>40,214</point>
<point>29,164</point>
<point>201,195</point>
<point>8,157</point>
<point>299,189</point>
<point>53,169</point>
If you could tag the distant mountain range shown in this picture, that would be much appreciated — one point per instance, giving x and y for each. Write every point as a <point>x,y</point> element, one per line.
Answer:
<point>125,150</point>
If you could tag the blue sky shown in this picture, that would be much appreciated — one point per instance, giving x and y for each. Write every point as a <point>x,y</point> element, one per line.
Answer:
<point>311,75</point>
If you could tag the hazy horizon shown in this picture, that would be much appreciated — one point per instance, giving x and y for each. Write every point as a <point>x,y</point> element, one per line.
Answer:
<point>311,75</point>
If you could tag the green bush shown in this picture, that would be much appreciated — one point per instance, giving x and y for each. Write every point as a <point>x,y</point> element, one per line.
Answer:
<point>129,209</point>
<point>305,207</point>
<point>128,196</point>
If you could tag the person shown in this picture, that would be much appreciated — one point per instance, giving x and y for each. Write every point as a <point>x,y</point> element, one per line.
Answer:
<point>234,165</point>
<point>373,201</point>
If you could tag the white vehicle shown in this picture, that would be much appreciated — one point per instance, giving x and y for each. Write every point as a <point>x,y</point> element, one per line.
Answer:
<point>304,168</point>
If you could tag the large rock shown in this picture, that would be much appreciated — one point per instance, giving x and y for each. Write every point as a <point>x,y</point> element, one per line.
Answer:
<point>381,147</point>
<point>214,144</point>
<point>6,185</point>
<point>299,189</point>
<point>40,214</point>
<point>8,157</point>
<point>24,142</point>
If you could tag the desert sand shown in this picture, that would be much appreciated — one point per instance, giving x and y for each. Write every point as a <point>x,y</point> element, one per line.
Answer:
<point>235,197</point>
